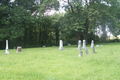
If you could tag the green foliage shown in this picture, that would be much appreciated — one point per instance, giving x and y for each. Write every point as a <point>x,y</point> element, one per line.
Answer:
<point>86,17</point>
<point>26,23</point>
<point>23,22</point>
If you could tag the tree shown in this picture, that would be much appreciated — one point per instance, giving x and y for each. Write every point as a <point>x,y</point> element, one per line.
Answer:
<point>23,21</point>
<point>80,15</point>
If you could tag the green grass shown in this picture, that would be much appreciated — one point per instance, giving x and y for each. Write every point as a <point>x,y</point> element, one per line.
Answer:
<point>49,63</point>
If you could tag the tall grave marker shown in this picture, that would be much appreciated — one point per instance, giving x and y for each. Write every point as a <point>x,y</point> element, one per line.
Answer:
<point>84,47</point>
<point>79,45</point>
<point>6,50</point>
<point>84,44</point>
<point>61,45</point>
<point>92,46</point>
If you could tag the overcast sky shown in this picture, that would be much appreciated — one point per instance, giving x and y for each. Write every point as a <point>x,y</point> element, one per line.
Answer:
<point>61,10</point>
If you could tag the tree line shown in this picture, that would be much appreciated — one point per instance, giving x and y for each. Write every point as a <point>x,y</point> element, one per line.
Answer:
<point>24,22</point>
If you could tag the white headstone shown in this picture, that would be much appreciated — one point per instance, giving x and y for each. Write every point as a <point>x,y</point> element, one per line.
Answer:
<point>6,50</point>
<point>84,44</point>
<point>61,45</point>
<point>92,46</point>
<point>97,45</point>
<point>92,43</point>
<point>79,45</point>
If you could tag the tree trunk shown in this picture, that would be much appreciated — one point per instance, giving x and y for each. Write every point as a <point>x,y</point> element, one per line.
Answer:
<point>57,36</point>
<point>78,35</point>
<point>40,37</point>
<point>104,32</point>
<point>86,30</point>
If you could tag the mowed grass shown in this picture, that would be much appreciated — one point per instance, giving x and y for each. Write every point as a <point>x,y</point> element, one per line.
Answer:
<point>49,63</point>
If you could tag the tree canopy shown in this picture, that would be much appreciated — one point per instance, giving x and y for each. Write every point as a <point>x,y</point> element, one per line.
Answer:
<point>25,22</point>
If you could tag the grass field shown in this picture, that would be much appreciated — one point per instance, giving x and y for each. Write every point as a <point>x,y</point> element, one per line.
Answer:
<point>49,63</point>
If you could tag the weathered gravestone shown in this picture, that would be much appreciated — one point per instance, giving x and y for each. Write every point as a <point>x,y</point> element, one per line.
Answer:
<point>6,50</point>
<point>69,44</point>
<point>44,46</point>
<point>80,54</point>
<point>53,46</point>
<point>61,45</point>
<point>92,43</point>
<point>86,51</point>
<point>84,44</point>
<point>19,49</point>
<point>92,46</point>
<point>97,45</point>
<point>14,48</point>
<point>79,45</point>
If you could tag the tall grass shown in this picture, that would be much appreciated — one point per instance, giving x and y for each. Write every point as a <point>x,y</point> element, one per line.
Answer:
<point>49,63</point>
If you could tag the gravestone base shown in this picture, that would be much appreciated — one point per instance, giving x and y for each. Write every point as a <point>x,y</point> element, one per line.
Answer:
<point>19,49</point>
<point>60,48</point>
<point>6,51</point>
<point>79,48</point>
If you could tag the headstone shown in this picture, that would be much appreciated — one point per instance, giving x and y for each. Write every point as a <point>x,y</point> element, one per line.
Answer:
<point>84,44</point>
<point>86,51</point>
<point>69,44</point>
<point>19,49</point>
<point>14,48</point>
<point>61,45</point>
<point>80,54</point>
<point>79,45</point>
<point>6,50</point>
<point>92,43</point>
<point>44,46</point>
<point>93,48</point>
<point>97,45</point>
<point>53,46</point>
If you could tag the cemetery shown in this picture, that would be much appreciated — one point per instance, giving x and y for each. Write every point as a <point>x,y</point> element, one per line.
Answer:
<point>59,40</point>
<point>58,63</point>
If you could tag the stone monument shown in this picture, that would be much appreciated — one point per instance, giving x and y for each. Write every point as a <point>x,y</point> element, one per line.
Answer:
<point>92,46</point>
<point>6,50</point>
<point>19,49</point>
<point>61,45</point>
<point>84,44</point>
<point>69,44</point>
<point>79,45</point>
<point>92,43</point>
<point>86,51</point>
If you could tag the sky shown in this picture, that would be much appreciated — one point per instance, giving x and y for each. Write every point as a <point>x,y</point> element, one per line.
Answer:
<point>61,10</point>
